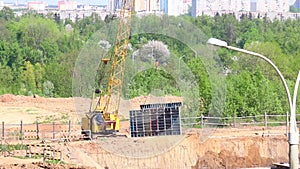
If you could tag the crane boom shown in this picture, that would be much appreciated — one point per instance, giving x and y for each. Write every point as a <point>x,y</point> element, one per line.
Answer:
<point>116,77</point>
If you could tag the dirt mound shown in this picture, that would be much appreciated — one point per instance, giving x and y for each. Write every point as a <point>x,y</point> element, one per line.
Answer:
<point>7,98</point>
<point>251,153</point>
<point>226,159</point>
<point>210,160</point>
<point>137,101</point>
<point>20,98</point>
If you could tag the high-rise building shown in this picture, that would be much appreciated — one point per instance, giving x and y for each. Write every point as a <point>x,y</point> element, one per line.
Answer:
<point>175,8</point>
<point>67,5</point>
<point>210,7</point>
<point>140,5</point>
<point>187,6</point>
<point>114,5</point>
<point>253,5</point>
<point>39,6</point>
<point>172,7</point>
<point>147,5</point>
<point>169,7</point>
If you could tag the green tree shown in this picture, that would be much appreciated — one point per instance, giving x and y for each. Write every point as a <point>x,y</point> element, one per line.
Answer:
<point>48,89</point>
<point>28,78</point>
<point>38,36</point>
<point>39,73</point>
<point>6,79</point>
<point>6,13</point>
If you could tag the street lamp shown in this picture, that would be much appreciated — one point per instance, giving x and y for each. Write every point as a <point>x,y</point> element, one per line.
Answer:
<point>293,135</point>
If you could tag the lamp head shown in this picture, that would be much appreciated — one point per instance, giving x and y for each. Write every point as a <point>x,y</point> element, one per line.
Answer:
<point>217,42</point>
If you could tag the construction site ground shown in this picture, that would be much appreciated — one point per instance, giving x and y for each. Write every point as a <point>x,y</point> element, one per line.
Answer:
<point>242,147</point>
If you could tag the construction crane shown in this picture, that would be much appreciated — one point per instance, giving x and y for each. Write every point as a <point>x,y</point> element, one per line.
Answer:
<point>103,117</point>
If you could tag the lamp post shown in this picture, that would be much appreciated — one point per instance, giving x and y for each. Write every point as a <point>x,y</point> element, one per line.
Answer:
<point>293,135</point>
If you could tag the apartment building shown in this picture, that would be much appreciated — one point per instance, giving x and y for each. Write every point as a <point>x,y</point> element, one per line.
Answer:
<point>38,6</point>
<point>210,7</point>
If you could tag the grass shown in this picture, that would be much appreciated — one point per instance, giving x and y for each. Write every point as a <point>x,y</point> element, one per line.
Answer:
<point>10,148</point>
<point>16,134</point>
<point>46,119</point>
<point>27,157</point>
<point>55,162</point>
<point>64,119</point>
<point>32,111</point>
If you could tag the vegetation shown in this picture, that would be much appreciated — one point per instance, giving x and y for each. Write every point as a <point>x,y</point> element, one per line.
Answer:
<point>55,162</point>
<point>38,54</point>
<point>12,147</point>
<point>31,157</point>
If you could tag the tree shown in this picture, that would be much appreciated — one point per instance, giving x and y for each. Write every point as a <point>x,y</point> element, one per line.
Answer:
<point>153,51</point>
<point>39,73</point>
<point>28,78</point>
<point>48,89</point>
<point>35,31</point>
<point>6,13</point>
<point>5,34</point>
<point>6,79</point>
<point>198,69</point>
<point>272,51</point>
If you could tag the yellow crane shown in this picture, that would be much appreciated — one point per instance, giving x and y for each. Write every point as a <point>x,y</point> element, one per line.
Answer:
<point>103,119</point>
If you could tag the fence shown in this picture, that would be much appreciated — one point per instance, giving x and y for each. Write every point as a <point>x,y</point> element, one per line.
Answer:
<point>55,131</point>
<point>45,150</point>
<point>38,131</point>
<point>263,120</point>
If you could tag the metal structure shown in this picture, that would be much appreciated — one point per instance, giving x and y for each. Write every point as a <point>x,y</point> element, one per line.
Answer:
<point>156,120</point>
<point>118,61</point>
<point>293,135</point>
<point>106,110</point>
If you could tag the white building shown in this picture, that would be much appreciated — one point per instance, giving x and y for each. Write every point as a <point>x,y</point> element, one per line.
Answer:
<point>67,5</point>
<point>175,7</point>
<point>148,6</point>
<point>210,7</point>
<point>1,5</point>
<point>169,7</point>
<point>140,6</point>
<point>186,5</point>
<point>39,6</point>
<point>114,5</point>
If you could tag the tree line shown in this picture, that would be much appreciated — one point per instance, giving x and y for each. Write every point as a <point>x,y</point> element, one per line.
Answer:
<point>38,53</point>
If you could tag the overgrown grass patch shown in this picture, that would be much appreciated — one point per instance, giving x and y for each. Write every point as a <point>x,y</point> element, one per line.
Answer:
<point>12,147</point>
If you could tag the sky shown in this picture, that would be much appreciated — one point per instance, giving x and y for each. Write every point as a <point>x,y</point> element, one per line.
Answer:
<point>93,2</point>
